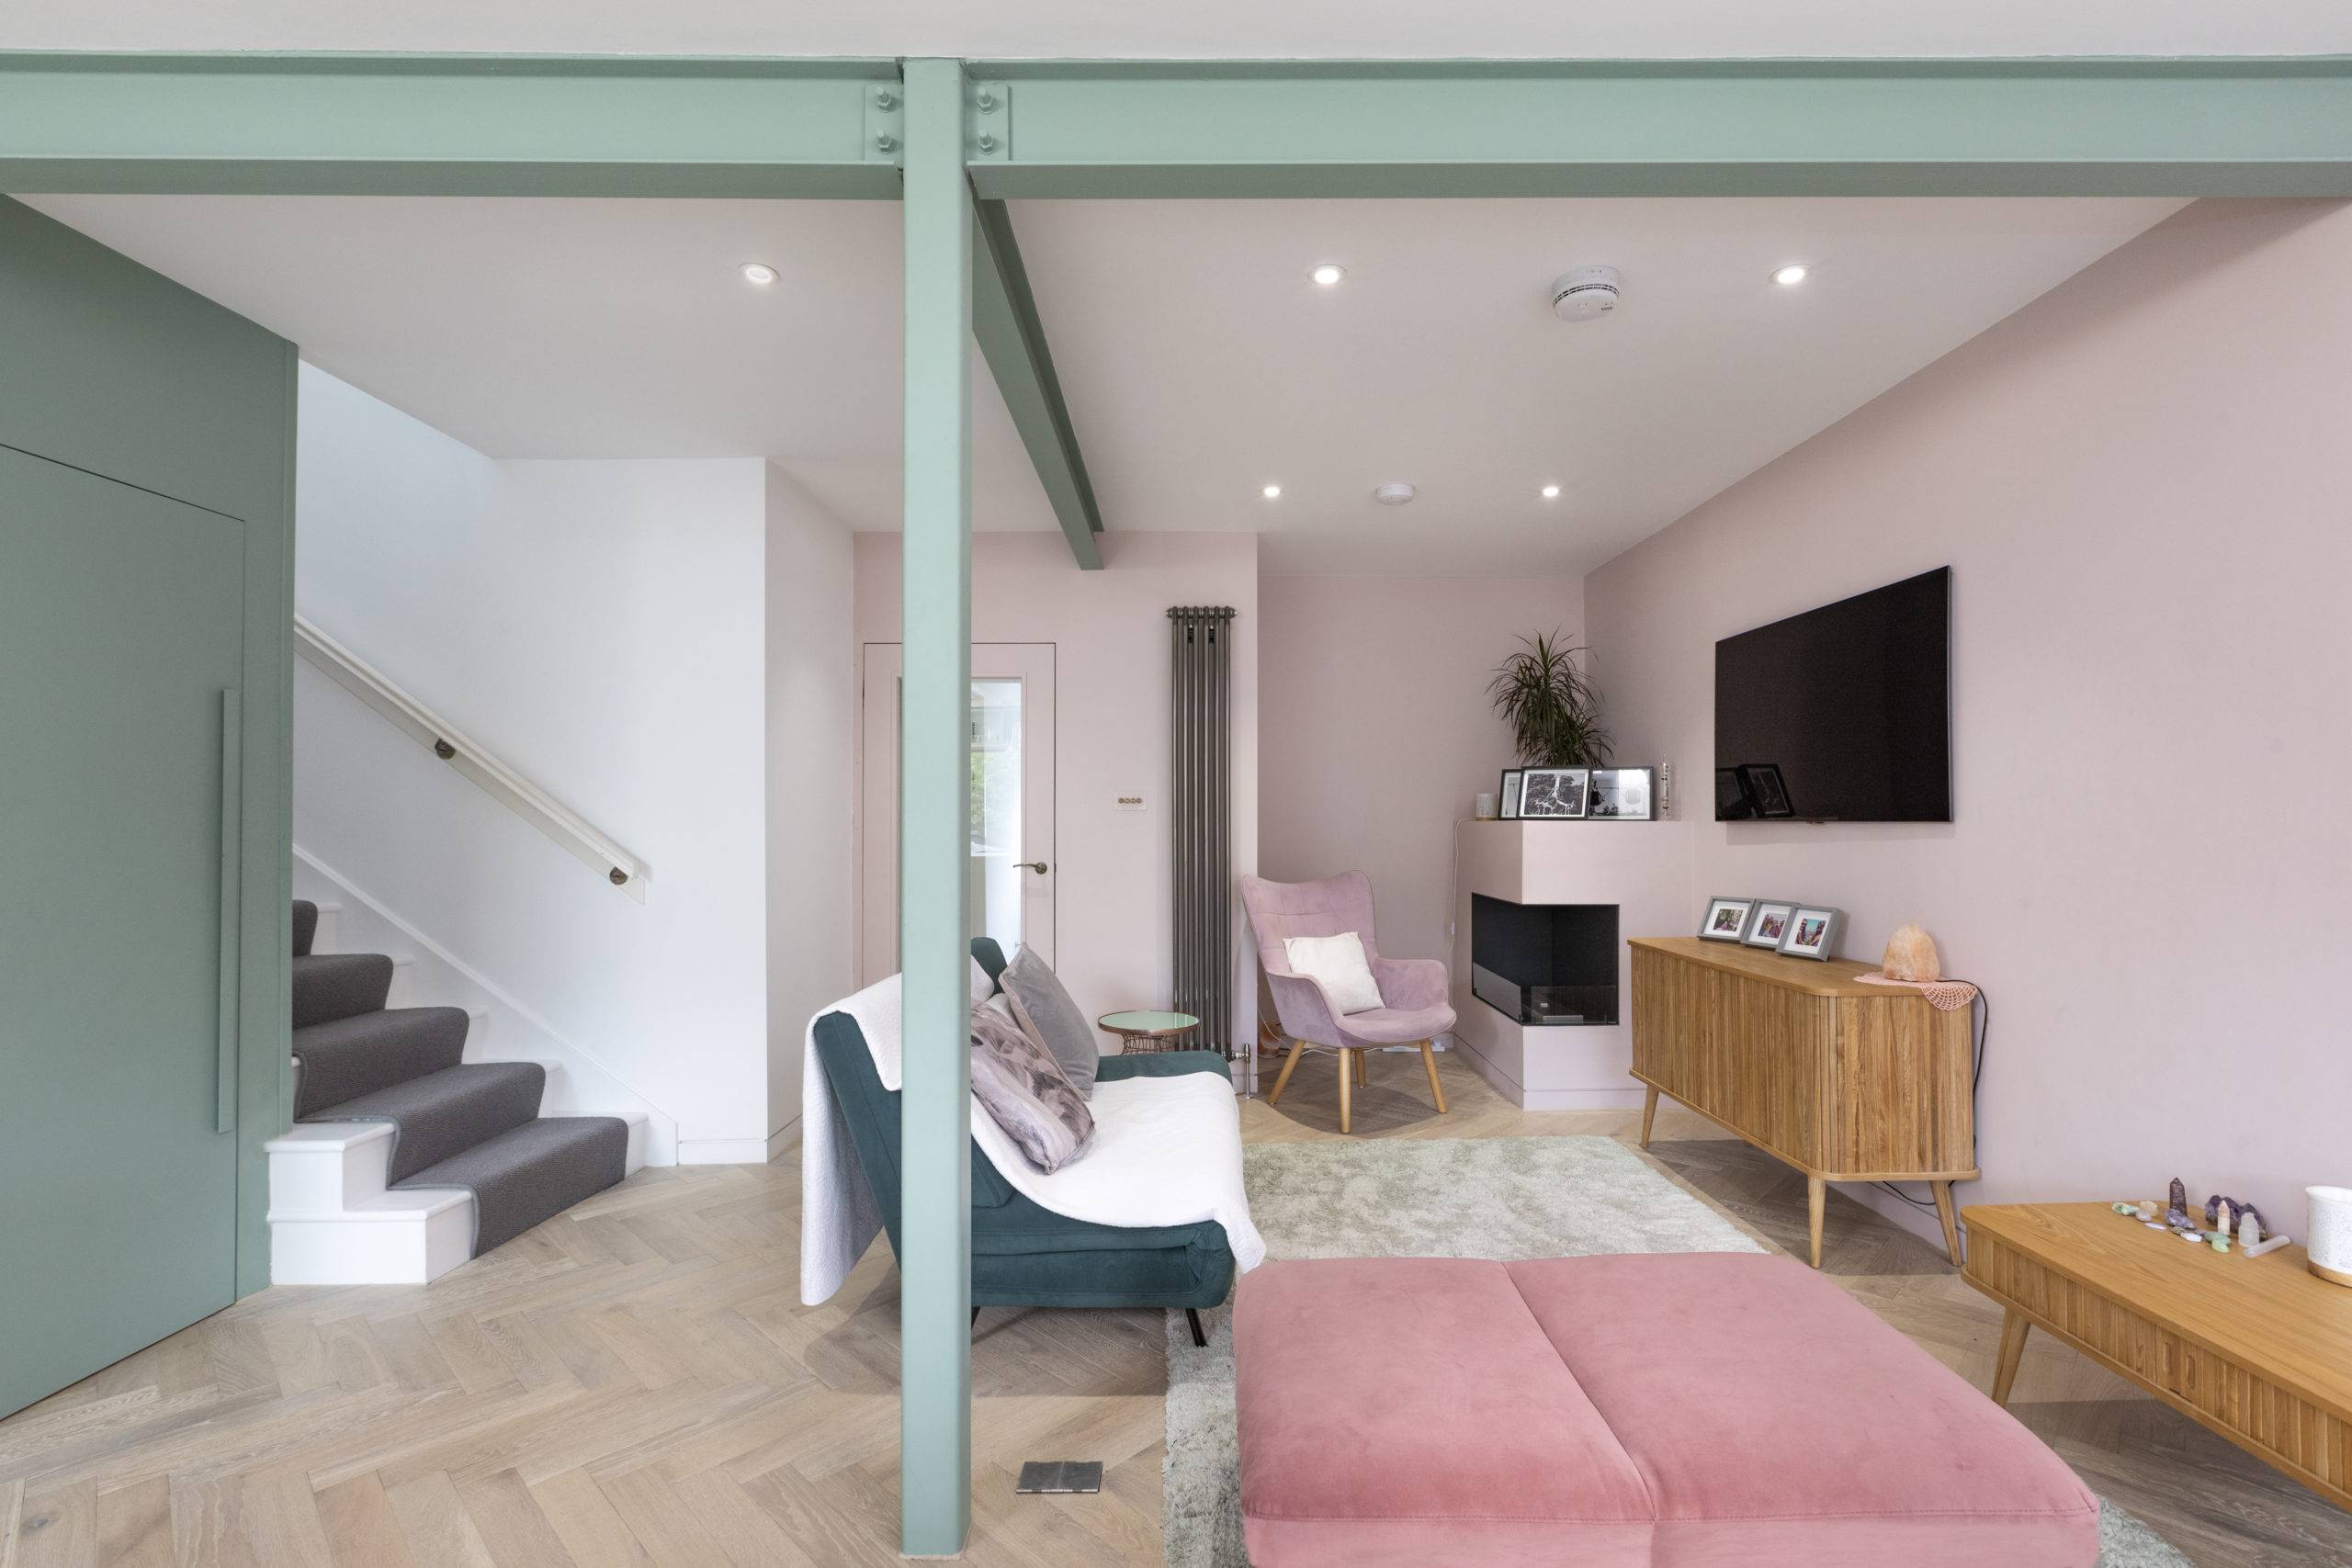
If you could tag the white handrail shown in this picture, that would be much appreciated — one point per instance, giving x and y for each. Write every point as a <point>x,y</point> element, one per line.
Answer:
<point>509,788</point>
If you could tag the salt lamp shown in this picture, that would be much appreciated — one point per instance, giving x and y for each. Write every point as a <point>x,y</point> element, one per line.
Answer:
<point>1911,955</point>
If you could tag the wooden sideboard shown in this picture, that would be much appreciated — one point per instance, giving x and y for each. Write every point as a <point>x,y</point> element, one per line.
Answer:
<point>1845,1081</point>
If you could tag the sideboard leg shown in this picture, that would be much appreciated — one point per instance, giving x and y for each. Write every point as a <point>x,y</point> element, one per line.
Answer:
<point>1649,1113</point>
<point>1816,1195</point>
<point>2013,1328</point>
<point>1952,1221</point>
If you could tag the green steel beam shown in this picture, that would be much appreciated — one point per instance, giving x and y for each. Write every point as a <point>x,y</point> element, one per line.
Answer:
<point>2252,126</point>
<point>410,125</point>
<point>1012,340</point>
<point>934,828</point>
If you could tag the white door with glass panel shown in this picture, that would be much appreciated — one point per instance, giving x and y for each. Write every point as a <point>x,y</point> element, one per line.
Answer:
<point>1011,810</point>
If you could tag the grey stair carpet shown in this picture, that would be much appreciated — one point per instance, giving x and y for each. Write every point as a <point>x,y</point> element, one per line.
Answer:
<point>539,1169</point>
<point>455,1123</point>
<point>371,1051</point>
<point>446,1113</point>
<point>330,986</point>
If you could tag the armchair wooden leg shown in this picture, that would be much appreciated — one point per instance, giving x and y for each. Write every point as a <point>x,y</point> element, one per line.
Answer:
<point>1347,1083</point>
<point>1429,1060</point>
<point>1363,1073</point>
<point>1290,1064</point>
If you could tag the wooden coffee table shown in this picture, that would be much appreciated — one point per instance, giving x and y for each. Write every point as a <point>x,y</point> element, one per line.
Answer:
<point>1147,1030</point>
<point>2255,1349</point>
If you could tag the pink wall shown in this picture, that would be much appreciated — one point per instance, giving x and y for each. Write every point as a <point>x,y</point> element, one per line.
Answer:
<point>1376,732</point>
<point>1110,633</point>
<point>2139,481</point>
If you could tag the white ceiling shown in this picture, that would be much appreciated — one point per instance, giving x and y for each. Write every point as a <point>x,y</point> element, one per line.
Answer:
<point>591,329</point>
<point>1199,28</point>
<point>1199,361</point>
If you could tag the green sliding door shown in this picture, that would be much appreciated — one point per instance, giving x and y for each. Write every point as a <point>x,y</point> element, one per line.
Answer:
<point>142,888</point>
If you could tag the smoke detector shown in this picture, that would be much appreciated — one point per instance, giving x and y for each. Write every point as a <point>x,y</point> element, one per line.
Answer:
<point>1583,293</point>
<point>1394,494</point>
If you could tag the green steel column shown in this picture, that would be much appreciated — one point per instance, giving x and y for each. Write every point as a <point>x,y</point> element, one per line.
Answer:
<point>935,856</point>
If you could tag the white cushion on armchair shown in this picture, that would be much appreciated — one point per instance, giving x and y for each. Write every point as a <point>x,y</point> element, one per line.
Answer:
<point>1337,964</point>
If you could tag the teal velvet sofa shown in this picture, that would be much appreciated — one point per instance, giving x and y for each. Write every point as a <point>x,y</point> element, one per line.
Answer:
<point>1023,1255</point>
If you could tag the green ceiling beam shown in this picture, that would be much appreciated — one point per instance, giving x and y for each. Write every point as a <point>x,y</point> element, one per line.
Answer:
<point>1012,340</point>
<point>411,125</point>
<point>2249,126</point>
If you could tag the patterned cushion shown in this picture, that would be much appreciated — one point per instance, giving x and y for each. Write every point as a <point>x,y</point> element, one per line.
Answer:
<point>1022,1087</point>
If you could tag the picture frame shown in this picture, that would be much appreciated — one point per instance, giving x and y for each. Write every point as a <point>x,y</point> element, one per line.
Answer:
<point>1733,803</point>
<point>1623,794</point>
<point>1728,919</point>
<point>1770,923</point>
<point>1813,930</point>
<point>1766,789</point>
<point>1507,796</point>
<point>1554,795</point>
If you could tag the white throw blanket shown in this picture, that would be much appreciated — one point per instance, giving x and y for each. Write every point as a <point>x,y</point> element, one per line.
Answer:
<point>1166,1152</point>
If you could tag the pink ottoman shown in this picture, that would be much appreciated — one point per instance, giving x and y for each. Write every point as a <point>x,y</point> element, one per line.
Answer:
<point>1702,1410</point>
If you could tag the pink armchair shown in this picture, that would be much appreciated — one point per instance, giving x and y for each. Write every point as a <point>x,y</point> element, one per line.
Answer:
<point>1414,992</point>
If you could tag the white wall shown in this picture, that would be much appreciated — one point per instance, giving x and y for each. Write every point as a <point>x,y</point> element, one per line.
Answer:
<point>602,627</point>
<point>1378,732</point>
<point>1109,629</point>
<point>2139,481</point>
<point>811,779</point>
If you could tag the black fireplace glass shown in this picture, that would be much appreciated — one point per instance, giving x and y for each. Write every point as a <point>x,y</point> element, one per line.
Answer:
<point>1546,964</point>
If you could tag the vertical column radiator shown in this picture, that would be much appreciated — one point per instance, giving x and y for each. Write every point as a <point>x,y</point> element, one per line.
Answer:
<point>1200,804</point>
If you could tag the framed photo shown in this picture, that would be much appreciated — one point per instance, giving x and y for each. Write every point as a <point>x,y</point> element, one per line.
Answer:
<point>1728,919</point>
<point>1555,793</point>
<point>1733,803</point>
<point>1510,795</point>
<point>1766,789</point>
<point>1623,794</point>
<point>1770,924</point>
<point>1812,931</point>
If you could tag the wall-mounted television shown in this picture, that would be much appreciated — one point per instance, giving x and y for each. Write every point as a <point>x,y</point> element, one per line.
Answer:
<point>1842,714</point>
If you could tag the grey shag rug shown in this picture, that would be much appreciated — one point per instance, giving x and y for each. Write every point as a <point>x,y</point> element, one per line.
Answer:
<point>1500,1197</point>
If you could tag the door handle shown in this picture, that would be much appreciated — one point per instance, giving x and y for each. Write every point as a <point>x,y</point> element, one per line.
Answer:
<point>224,1066</point>
<point>1036,865</point>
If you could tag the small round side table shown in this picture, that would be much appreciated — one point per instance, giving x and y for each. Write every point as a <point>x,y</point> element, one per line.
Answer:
<point>1147,1030</point>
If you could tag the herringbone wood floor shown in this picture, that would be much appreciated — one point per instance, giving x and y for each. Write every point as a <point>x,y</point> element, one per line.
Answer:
<point>635,1382</point>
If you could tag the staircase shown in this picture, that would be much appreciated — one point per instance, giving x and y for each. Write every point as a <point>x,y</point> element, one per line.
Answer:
<point>405,1159</point>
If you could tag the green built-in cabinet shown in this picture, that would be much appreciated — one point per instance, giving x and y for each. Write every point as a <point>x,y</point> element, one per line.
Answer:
<point>146,556</point>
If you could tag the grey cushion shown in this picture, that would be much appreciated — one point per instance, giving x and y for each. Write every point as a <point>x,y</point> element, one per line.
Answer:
<point>1024,1091</point>
<point>1046,1010</point>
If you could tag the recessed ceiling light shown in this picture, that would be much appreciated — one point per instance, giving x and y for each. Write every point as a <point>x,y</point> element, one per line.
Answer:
<point>1270,491</point>
<point>1328,274</point>
<point>1551,492</point>
<point>758,272</point>
<point>1397,492</point>
<point>1793,272</point>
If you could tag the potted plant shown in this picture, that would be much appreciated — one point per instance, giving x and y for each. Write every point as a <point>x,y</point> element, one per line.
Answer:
<point>1551,705</point>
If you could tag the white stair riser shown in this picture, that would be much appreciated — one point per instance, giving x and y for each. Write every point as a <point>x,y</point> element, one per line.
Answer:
<point>404,1246</point>
<point>332,1222</point>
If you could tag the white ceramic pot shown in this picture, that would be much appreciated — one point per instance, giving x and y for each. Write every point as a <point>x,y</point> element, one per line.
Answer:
<point>2330,1244</point>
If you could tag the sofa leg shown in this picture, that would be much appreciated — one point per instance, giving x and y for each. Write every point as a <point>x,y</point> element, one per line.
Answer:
<point>976,1317</point>
<point>1192,1316</point>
